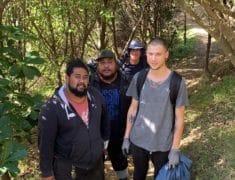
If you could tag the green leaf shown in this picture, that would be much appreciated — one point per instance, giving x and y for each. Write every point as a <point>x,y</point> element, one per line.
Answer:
<point>3,170</point>
<point>13,52</point>
<point>4,50</point>
<point>30,72</point>
<point>17,154</point>
<point>7,28</point>
<point>15,70</point>
<point>5,129</point>
<point>26,126</point>
<point>33,58</point>
<point>13,169</point>
<point>4,107</point>
<point>4,82</point>
<point>26,98</point>
<point>3,93</point>
<point>13,152</point>
<point>34,115</point>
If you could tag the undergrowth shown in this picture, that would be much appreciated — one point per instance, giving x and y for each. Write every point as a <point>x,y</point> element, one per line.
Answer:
<point>210,130</point>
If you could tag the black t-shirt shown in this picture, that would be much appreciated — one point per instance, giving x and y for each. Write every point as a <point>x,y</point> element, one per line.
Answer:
<point>111,93</point>
<point>132,69</point>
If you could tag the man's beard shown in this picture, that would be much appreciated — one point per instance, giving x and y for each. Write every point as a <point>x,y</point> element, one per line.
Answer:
<point>76,92</point>
<point>108,77</point>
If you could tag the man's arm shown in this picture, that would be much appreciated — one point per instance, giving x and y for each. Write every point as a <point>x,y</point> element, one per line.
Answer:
<point>131,115</point>
<point>48,178</point>
<point>179,127</point>
<point>47,135</point>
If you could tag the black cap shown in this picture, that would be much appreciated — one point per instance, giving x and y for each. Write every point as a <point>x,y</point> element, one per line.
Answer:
<point>105,53</point>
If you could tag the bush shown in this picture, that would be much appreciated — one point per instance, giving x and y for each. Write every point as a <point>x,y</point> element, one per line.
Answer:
<point>181,50</point>
<point>18,106</point>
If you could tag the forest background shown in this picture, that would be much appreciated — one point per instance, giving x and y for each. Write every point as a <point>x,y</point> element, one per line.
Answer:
<point>38,37</point>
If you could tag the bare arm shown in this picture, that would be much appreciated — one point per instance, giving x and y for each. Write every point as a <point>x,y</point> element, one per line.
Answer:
<point>179,127</point>
<point>131,117</point>
<point>48,178</point>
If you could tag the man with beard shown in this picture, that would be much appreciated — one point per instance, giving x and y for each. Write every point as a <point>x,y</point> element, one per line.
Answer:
<point>73,126</point>
<point>113,85</point>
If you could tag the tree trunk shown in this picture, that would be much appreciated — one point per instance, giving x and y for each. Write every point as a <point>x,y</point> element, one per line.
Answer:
<point>114,36</point>
<point>206,67</point>
<point>6,176</point>
<point>59,78</point>
<point>185,28</point>
<point>103,24</point>
<point>1,12</point>
<point>216,27</point>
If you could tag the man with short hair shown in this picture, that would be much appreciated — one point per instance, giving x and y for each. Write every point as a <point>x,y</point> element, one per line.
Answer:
<point>72,129</point>
<point>152,128</point>
<point>113,85</point>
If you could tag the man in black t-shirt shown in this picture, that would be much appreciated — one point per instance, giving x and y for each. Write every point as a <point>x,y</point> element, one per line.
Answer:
<point>134,60</point>
<point>113,85</point>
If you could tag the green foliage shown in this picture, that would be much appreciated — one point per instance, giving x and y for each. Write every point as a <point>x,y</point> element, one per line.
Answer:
<point>18,107</point>
<point>211,125</point>
<point>11,153</point>
<point>215,93</point>
<point>181,50</point>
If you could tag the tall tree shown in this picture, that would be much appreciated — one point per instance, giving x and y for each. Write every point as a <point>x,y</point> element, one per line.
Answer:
<point>218,18</point>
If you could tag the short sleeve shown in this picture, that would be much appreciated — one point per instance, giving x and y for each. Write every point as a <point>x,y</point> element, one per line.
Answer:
<point>182,98</point>
<point>132,89</point>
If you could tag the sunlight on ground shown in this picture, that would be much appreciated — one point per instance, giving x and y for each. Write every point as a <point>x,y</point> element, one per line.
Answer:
<point>193,82</point>
<point>197,31</point>
<point>192,115</point>
<point>195,134</point>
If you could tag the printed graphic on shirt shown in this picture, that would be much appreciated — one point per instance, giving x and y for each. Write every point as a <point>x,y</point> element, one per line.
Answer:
<point>112,101</point>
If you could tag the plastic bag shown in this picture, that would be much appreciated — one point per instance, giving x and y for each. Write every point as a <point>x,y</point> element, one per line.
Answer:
<point>180,172</point>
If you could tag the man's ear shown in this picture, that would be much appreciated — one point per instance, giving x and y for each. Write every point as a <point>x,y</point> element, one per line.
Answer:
<point>167,54</point>
<point>66,77</point>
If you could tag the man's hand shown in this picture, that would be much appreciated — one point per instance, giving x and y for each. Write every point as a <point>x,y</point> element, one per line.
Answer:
<point>48,178</point>
<point>174,158</point>
<point>125,146</point>
<point>106,143</point>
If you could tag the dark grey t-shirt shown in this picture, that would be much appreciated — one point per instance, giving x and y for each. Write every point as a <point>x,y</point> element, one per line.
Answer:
<point>152,127</point>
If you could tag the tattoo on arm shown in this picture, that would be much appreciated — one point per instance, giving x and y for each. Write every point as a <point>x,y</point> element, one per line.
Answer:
<point>131,118</point>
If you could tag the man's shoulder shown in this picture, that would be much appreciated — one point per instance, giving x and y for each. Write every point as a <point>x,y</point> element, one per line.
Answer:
<point>51,101</point>
<point>94,91</point>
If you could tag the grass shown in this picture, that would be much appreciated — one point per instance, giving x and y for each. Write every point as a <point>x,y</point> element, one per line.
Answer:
<point>210,130</point>
<point>208,138</point>
<point>181,50</point>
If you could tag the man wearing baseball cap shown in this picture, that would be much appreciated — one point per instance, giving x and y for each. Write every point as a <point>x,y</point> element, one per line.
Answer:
<point>113,85</point>
<point>134,60</point>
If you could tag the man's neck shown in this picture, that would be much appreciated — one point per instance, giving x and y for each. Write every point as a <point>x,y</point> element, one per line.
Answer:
<point>134,61</point>
<point>109,81</point>
<point>73,97</point>
<point>160,73</point>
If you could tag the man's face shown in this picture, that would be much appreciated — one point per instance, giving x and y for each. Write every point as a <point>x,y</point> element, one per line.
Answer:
<point>135,54</point>
<point>157,55</point>
<point>107,68</point>
<point>78,82</point>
